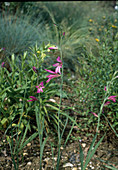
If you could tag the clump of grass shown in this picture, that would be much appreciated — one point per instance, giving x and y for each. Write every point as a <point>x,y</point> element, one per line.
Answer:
<point>18,33</point>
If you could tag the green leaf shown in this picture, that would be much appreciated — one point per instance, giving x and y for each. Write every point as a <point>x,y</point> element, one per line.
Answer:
<point>110,167</point>
<point>46,113</point>
<point>81,156</point>
<point>42,147</point>
<point>24,135</point>
<point>4,90</point>
<point>55,108</point>
<point>3,121</point>
<point>28,140</point>
<point>92,151</point>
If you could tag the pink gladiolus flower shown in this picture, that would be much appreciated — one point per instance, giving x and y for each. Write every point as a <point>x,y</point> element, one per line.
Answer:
<point>53,48</point>
<point>63,33</point>
<point>94,114</point>
<point>51,76</point>
<point>32,99</point>
<point>3,64</point>
<point>107,103</point>
<point>105,88</point>
<point>58,65</point>
<point>35,69</point>
<point>40,87</point>
<point>112,98</point>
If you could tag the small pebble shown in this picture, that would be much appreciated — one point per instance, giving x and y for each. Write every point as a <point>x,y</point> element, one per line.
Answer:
<point>29,163</point>
<point>84,144</point>
<point>46,160</point>
<point>61,147</point>
<point>74,168</point>
<point>29,144</point>
<point>68,165</point>
<point>25,154</point>
<point>55,158</point>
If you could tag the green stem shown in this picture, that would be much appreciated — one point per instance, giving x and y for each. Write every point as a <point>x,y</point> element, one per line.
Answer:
<point>61,90</point>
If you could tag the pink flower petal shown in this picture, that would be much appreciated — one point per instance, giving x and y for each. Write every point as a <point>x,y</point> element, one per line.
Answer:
<point>50,71</point>
<point>112,98</point>
<point>57,70</point>
<point>48,80</point>
<point>58,59</point>
<point>40,87</point>
<point>107,103</point>
<point>63,33</point>
<point>94,114</point>
<point>3,64</point>
<point>35,69</point>
<point>32,99</point>
<point>105,88</point>
<point>55,65</point>
<point>53,48</point>
<point>41,84</point>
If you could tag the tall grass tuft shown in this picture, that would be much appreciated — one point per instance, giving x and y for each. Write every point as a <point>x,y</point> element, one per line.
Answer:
<point>18,33</point>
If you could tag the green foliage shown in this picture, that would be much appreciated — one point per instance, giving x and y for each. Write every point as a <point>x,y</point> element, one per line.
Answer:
<point>97,68</point>
<point>18,85</point>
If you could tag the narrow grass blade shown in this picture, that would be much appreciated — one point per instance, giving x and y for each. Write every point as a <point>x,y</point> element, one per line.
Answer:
<point>69,134</point>
<point>91,146</point>
<point>24,135</point>
<point>52,153</point>
<point>91,152</point>
<point>64,127</point>
<point>81,156</point>
<point>110,167</point>
<point>108,164</point>
<point>28,140</point>
<point>111,126</point>
<point>42,148</point>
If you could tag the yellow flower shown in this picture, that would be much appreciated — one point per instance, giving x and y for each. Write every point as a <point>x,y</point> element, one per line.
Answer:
<point>97,39</point>
<point>90,20</point>
<point>115,20</point>
<point>38,52</point>
<point>103,17</point>
<point>113,26</point>
<point>100,29</point>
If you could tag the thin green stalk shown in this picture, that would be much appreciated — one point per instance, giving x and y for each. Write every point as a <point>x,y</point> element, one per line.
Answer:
<point>101,109</point>
<point>40,125</point>
<point>61,90</point>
